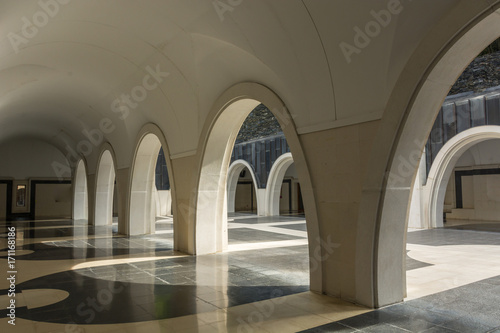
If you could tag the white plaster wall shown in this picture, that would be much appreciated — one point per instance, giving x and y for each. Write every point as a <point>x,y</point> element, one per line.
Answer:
<point>449,199</point>
<point>164,203</point>
<point>480,193</point>
<point>284,203</point>
<point>468,192</point>
<point>53,201</point>
<point>285,194</point>
<point>290,174</point>
<point>30,159</point>
<point>3,202</point>
<point>261,199</point>
<point>243,201</point>
<point>482,154</point>
<point>487,194</point>
<point>467,159</point>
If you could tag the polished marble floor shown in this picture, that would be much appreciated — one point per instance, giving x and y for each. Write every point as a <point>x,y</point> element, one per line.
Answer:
<point>76,278</point>
<point>453,285</point>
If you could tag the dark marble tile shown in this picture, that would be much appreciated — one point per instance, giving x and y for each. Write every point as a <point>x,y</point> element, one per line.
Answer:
<point>414,264</point>
<point>372,318</point>
<point>466,325</point>
<point>439,329</point>
<point>174,279</point>
<point>104,301</point>
<point>78,250</point>
<point>254,219</point>
<point>244,235</point>
<point>383,328</point>
<point>492,281</point>
<point>414,313</point>
<point>445,236</point>
<point>300,227</point>
<point>414,325</point>
<point>488,227</point>
<point>333,327</point>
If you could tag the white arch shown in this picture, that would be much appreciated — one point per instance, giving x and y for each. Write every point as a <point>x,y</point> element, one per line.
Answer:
<point>233,175</point>
<point>211,207</point>
<point>274,182</point>
<point>142,212</point>
<point>217,139</point>
<point>80,193</point>
<point>105,184</point>
<point>442,168</point>
<point>388,186</point>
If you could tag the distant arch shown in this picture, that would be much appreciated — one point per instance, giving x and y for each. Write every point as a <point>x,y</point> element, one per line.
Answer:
<point>443,166</point>
<point>274,182</point>
<point>80,193</point>
<point>104,190</point>
<point>142,206</point>
<point>233,176</point>
<point>143,194</point>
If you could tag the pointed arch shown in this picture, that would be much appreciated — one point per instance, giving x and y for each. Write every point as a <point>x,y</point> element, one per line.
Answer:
<point>273,189</point>
<point>443,166</point>
<point>80,192</point>
<point>142,203</point>
<point>104,188</point>
<point>233,175</point>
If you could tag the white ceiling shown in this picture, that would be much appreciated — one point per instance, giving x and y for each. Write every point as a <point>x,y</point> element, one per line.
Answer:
<point>65,78</point>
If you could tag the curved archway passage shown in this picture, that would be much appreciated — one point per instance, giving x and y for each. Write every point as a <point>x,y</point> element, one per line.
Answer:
<point>407,142</point>
<point>233,177</point>
<point>80,195</point>
<point>442,168</point>
<point>143,188</point>
<point>163,191</point>
<point>218,137</point>
<point>105,187</point>
<point>211,208</point>
<point>274,184</point>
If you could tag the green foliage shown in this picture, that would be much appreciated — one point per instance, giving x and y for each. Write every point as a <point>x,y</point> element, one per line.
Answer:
<point>260,123</point>
<point>492,48</point>
<point>482,73</point>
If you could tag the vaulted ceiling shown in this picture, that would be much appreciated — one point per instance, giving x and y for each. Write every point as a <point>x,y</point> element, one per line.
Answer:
<point>66,65</point>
